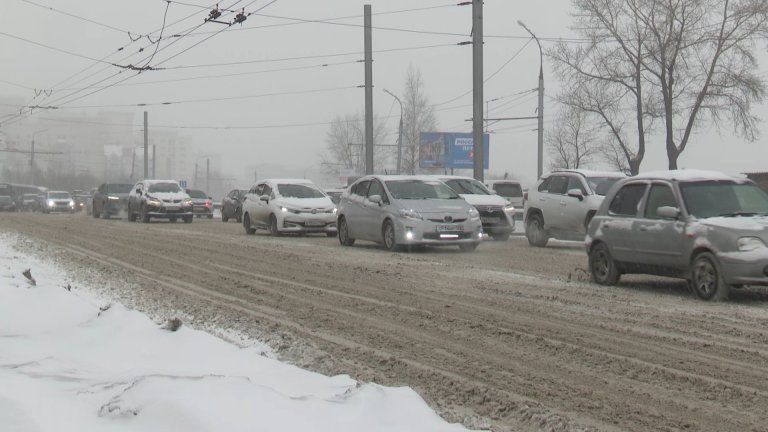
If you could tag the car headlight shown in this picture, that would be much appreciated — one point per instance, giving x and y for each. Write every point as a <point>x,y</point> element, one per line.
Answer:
<point>71,203</point>
<point>187,202</point>
<point>154,201</point>
<point>410,214</point>
<point>474,214</point>
<point>113,198</point>
<point>509,208</point>
<point>747,244</point>
<point>51,203</point>
<point>288,209</point>
<point>335,210</point>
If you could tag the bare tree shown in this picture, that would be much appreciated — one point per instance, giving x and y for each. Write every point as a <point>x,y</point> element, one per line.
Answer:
<point>701,62</point>
<point>418,116</point>
<point>605,74</point>
<point>686,63</point>
<point>345,146</point>
<point>571,143</point>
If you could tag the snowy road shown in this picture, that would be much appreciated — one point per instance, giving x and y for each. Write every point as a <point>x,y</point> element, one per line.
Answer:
<point>510,337</point>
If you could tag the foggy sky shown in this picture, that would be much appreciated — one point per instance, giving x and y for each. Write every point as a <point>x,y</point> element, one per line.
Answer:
<point>260,40</point>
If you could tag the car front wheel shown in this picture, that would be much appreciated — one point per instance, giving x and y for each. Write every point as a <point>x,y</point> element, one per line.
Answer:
<point>388,233</point>
<point>706,279</point>
<point>273,226</point>
<point>603,267</point>
<point>250,230</point>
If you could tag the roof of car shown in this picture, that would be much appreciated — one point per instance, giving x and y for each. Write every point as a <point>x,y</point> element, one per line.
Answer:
<point>153,181</point>
<point>685,175</point>
<point>387,177</point>
<point>55,191</point>
<point>502,181</point>
<point>591,173</point>
<point>454,177</point>
<point>287,180</point>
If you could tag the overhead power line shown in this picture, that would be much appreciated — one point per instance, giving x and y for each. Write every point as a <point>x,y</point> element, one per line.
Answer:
<point>100,24</point>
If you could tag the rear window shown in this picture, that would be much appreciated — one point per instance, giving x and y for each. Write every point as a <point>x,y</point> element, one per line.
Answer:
<point>59,195</point>
<point>119,188</point>
<point>194,193</point>
<point>509,190</point>
<point>627,200</point>
<point>601,185</point>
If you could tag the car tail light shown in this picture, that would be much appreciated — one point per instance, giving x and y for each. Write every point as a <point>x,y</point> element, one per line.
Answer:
<point>207,203</point>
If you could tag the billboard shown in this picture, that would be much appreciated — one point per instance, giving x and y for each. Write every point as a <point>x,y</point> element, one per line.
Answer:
<point>450,150</point>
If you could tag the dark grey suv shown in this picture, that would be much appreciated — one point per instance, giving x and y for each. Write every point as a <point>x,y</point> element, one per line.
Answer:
<point>110,199</point>
<point>706,227</point>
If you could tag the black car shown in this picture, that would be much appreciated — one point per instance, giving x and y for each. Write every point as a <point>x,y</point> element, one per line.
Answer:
<point>232,205</point>
<point>203,204</point>
<point>110,199</point>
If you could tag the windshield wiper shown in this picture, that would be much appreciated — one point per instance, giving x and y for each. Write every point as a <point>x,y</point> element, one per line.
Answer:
<point>739,214</point>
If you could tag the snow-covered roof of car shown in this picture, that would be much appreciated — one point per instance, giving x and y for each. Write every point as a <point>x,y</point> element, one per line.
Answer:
<point>686,175</point>
<point>388,177</point>
<point>287,181</point>
<point>591,173</point>
<point>153,181</point>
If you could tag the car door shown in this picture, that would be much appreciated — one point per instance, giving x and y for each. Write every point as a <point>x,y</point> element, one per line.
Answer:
<point>551,201</point>
<point>573,210</point>
<point>619,228</point>
<point>262,208</point>
<point>355,214</point>
<point>372,214</point>
<point>659,241</point>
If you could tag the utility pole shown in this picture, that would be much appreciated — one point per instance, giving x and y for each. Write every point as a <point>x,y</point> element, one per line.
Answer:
<point>399,133</point>
<point>196,185</point>
<point>146,145</point>
<point>540,110</point>
<point>154,161</point>
<point>208,175</point>
<point>368,91</point>
<point>477,88</point>
<point>32,162</point>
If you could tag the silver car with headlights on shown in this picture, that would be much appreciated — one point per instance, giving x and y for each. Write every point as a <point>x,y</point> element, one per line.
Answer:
<point>402,211</point>
<point>703,226</point>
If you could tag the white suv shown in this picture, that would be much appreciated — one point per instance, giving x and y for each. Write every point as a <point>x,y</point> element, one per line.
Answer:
<point>496,212</point>
<point>288,206</point>
<point>563,203</point>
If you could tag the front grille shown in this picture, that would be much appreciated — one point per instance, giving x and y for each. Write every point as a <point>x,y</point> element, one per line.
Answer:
<point>492,212</point>
<point>442,220</point>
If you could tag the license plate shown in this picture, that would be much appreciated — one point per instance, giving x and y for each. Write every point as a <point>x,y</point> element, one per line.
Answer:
<point>490,220</point>
<point>172,207</point>
<point>314,223</point>
<point>444,228</point>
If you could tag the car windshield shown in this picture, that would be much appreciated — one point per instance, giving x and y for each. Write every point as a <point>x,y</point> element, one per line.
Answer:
<point>467,186</point>
<point>164,187</point>
<point>119,188</point>
<point>298,191</point>
<point>420,189</point>
<point>723,198</point>
<point>509,190</point>
<point>601,185</point>
<point>194,193</point>
<point>59,195</point>
<point>30,196</point>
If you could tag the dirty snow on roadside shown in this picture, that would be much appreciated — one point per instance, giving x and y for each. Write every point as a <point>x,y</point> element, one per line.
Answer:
<point>72,362</point>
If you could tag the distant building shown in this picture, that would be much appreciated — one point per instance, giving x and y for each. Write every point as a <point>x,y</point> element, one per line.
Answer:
<point>761,178</point>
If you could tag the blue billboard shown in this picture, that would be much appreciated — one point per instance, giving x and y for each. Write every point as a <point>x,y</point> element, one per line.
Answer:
<point>450,150</point>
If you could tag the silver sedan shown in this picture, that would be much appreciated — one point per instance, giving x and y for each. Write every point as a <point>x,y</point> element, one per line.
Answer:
<point>402,211</point>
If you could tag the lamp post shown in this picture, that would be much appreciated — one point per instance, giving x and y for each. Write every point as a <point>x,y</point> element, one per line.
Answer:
<point>541,101</point>
<point>399,132</point>
<point>32,156</point>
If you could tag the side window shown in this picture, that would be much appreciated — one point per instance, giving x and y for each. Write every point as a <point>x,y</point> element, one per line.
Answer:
<point>626,201</point>
<point>659,196</point>
<point>377,189</point>
<point>101,189</point>
<point>544,186</point>
<point>558,185</point>
<point>575,183</point>
<point>266,190</point>
<point>361,188</point>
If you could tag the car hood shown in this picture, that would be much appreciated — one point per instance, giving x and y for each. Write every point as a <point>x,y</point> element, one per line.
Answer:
<point>299,203</point>
<point>168,195</point>
<point>119,195</point>
<point>485,200</point>
<point>756,224</point>
<point>435,205</point>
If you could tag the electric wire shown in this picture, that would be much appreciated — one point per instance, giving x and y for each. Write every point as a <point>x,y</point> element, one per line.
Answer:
<point>76,17</point>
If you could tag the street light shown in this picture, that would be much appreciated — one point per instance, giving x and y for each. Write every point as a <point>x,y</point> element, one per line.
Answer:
<point>541,100</point>
<point>399,132</point>
<point>32,156</point>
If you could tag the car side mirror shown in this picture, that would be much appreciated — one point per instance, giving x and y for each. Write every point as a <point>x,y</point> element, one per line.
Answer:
<point>668,212</point>
<point>264,198</point>
<point>138,191</point>
<point>576,193</point>
<point>376,199</point>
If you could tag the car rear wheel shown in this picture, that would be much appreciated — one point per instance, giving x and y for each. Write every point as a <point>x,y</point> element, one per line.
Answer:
<point>247,225</point>
<point>603,267</point>
<point>131,215</point>
<point>500,236</point>
<point>95,214</point>
<point>224,217</point>
<point>173,219</point>
<point>210,216</point>
<point>239,215</point>
<point>534,231</point>
<point>187,219</point>
<point>388,233</point>
<point>470,247</point>
<point>144,215</point>
<point>105,215</point>
<point>706,279</point>
<point>273,226</point>
<point>344,238</point>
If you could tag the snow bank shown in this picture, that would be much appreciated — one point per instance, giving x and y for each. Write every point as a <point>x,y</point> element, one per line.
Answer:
<point>70,363</point>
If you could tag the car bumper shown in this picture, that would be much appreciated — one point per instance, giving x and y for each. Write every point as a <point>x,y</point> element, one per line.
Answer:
<point>745,268</point>
<point>169,212</point>
<point>202,210</point>
<point>415,232</point>
<point>114,208</point>
<point>311,223</point>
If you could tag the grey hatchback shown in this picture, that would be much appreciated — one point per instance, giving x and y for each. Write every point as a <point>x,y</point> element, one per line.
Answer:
<point>706,227</point>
